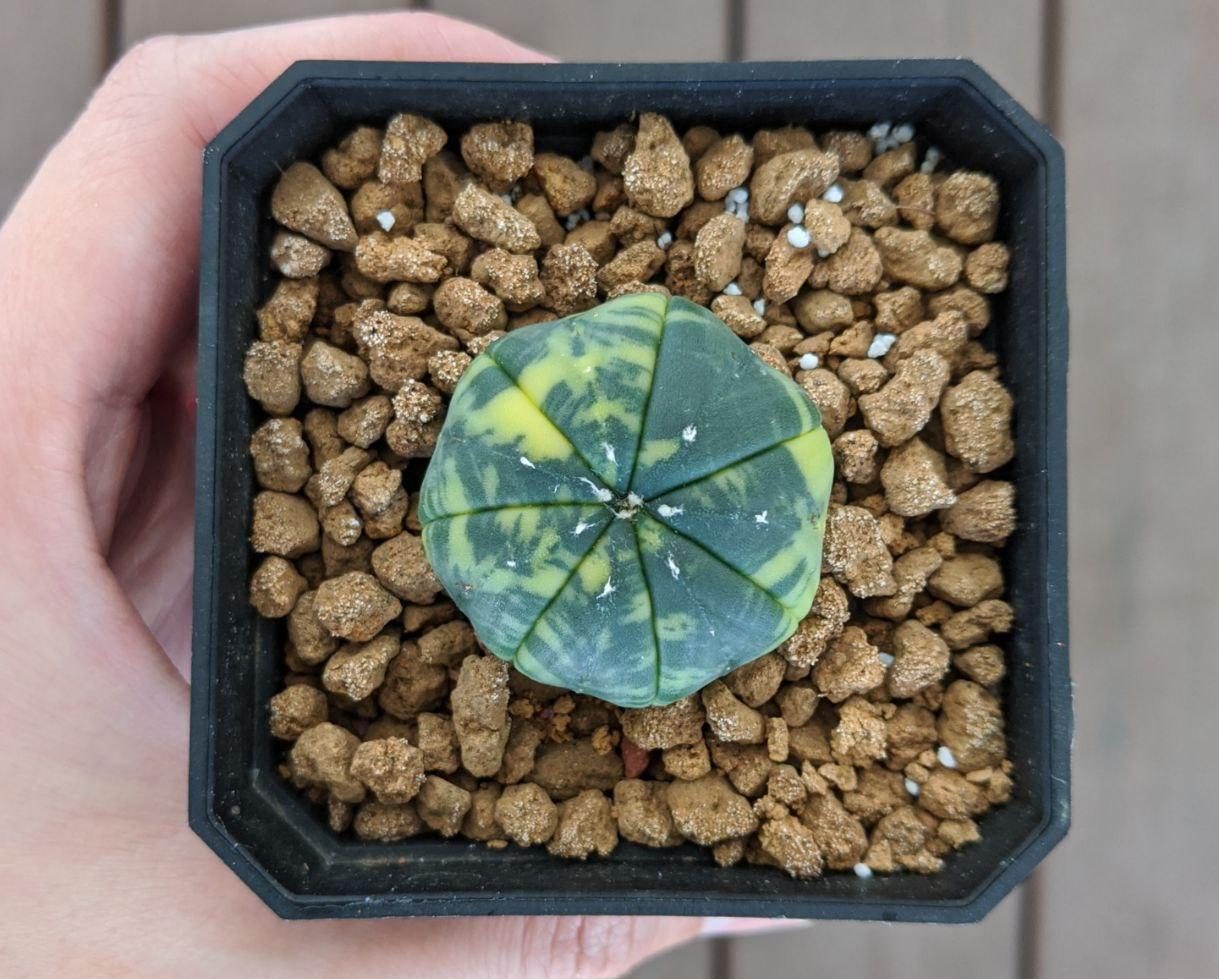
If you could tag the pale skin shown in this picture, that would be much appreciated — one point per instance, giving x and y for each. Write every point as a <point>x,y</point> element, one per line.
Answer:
<point>97,273</point>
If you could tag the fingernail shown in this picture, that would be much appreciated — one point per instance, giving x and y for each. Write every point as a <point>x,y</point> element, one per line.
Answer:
<point>749,926</point>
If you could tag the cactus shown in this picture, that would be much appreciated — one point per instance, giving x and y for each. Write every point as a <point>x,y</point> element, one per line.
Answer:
<point>627,502</point>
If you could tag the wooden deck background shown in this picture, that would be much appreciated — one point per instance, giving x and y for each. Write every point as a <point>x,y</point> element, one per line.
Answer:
<point>1132,89</point>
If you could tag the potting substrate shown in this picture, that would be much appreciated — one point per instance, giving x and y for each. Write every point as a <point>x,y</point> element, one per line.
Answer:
<point>856,262</point>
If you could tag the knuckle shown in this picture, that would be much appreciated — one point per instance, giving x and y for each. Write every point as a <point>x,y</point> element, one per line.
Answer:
<point>142,65</point>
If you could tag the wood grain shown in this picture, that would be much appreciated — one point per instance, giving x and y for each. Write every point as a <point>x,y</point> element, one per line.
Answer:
<point>1004,38</point>
<point>621,30</point>
<point>51,56</point>
<point>827,949</point>
<point>1134,891</point>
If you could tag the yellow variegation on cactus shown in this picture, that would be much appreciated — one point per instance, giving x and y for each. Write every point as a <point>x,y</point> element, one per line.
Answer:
<point>628,503</point>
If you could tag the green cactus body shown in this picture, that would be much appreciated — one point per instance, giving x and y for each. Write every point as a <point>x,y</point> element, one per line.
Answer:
<point>628,503</point>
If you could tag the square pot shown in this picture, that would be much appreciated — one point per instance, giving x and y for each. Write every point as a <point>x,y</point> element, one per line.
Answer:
<point>271,837</point>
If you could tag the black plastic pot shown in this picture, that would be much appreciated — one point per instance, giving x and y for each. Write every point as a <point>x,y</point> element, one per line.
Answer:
<point>270,836</point>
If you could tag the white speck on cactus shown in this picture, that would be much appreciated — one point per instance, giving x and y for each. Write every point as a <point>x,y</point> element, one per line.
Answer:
<point>863,871</point>
<point>581,526</point>
<point>674,570</point>
<point>881,344</point>
<point>833,194</point>
<point>511,564</point>
<point>689,434</point>
<point>670,511</point>
<point>526,463</point>
<point>795,214</point>
<point>664,239</point>
<point>386,220</point>
<point>600,492</point>
<point>809,362</point>
<point>798,237</point>
<point>760,518</point>
<point>634,499</point>
<point>732,289</point>
<point>912,787</point>
<point>945,756</point>
<point>608,590</point>
<point>609,452</point>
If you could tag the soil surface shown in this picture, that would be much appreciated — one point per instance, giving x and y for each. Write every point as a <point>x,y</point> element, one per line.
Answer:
<point>858,263</point>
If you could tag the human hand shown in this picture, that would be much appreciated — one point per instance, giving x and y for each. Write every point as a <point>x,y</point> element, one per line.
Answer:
<point>97,269</point>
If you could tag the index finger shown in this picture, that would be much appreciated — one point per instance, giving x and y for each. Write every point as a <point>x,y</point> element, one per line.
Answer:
<point>100,252</point>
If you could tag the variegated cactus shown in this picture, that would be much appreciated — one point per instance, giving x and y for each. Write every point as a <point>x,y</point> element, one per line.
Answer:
<point>628,503</point>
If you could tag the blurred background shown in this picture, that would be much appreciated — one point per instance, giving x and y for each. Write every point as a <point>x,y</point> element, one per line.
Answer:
<point>1132,90</point>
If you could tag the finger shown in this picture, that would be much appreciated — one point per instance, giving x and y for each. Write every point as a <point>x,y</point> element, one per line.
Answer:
<point>101,250</point>
<point>99,257</point>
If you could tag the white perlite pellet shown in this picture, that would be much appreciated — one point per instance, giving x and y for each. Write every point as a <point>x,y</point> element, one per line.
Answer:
<point>809,362</point>
<point>912,787</point>
<point>738,195</point>
<point>945,756</point>
<point>881,344</point>
<point>833,194</point>
<point>798,237</point>
<point>665,239</point>
<point>931,160</point>
<point>862,870</point>
<point>759,306</point>
<point>795,214</point>
<point>732,289</point>
<point>879,130</point>
<point>386,220</point>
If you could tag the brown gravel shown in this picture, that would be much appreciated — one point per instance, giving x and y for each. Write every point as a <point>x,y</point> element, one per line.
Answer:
<point>815,758</point>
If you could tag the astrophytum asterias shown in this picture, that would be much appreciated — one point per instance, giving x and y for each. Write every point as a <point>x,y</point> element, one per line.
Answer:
<point>628,503</point>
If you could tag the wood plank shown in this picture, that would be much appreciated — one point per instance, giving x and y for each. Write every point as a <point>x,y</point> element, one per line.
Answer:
<point>624,30</point>
<point>1135,890</point>
<point>878,951</point>
<point>1003,37</point>
<point>51,56</point>
<point>143,18</point>
<point>1007,40</point>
